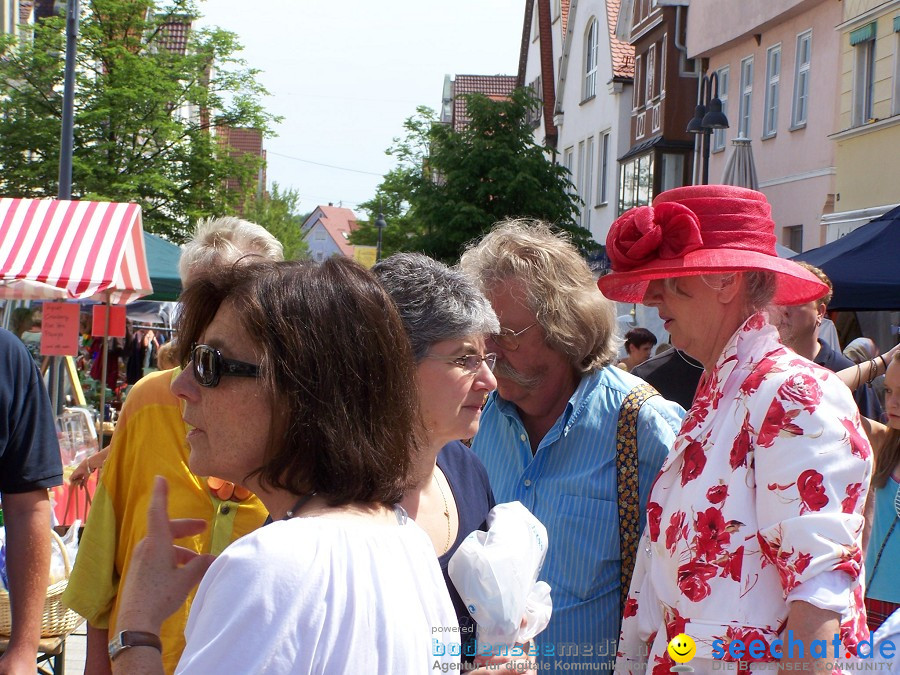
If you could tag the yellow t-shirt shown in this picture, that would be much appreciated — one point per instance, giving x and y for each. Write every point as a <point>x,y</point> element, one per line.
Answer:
<point>149,441</point>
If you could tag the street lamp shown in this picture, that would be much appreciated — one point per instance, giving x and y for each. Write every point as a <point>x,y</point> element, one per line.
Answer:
<point>707,116</point>
<point>380,224</point>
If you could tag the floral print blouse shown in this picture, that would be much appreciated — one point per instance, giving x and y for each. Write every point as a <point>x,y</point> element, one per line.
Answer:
<point>762,492</point>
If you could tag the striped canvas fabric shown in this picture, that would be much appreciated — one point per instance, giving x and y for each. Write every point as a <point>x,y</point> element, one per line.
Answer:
<point>72,250</point>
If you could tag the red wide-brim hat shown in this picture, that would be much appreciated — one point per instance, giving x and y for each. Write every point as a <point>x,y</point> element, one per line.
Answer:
<point>700,229</point>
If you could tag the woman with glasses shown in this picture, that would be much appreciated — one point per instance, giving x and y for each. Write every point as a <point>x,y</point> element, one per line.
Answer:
<point>301,387</point>
<point>446,318</point>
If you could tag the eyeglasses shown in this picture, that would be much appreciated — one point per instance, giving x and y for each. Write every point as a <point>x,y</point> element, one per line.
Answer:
<point>470,363</point>
<point>508,339</point>
<point>209,366</point>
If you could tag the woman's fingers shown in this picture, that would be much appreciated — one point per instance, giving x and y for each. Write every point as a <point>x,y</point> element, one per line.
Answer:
<point>186,527</point>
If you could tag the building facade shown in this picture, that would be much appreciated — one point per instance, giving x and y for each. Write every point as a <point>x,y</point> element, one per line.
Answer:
<point>866,136</point>
<point>777,63</point>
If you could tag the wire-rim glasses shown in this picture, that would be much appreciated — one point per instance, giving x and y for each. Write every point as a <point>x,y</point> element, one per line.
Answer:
<point>209,366</point>
<point>508,339</point>
<point>470,363</point>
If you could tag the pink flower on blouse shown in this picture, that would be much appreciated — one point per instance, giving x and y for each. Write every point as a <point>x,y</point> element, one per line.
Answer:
<point>694,461</point>
<point>776,422</point>
<point>812,492</point>
<point>755,378</point>
<point>654,515</point>
<point>693,578</point>
<point>631,607</point>
<point>732,565</point>
<point>854,491</point>
<point>859,446</point>
<point>712,533</point>
<point>802,389</point>
<point>741,445</point>
<point>676,524</point>
<point>717,494</point>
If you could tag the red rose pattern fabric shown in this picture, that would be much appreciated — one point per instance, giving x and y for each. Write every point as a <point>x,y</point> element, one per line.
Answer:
<point>762,491</point>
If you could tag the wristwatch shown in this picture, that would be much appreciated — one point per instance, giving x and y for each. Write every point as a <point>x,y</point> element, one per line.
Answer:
<point>133,638</point>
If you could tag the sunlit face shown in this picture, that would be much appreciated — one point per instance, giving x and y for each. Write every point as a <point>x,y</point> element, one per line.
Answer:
<point>690,311</point>
<point>892,394</point>
<point>534,372</point>
<point>451,398</point>
<point>797,322</point>
<point>231,421</point>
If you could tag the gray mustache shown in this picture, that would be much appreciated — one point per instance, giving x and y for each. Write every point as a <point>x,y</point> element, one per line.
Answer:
<point>507,372</point>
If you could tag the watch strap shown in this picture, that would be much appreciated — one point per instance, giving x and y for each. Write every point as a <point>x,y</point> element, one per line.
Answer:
<point>133,638</point>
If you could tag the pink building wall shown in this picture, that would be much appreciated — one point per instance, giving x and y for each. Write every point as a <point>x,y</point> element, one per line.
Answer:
<point>795,167</point>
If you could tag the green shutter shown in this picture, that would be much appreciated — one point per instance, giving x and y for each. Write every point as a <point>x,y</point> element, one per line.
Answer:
<point>897,24</point>
<point>863,34</point>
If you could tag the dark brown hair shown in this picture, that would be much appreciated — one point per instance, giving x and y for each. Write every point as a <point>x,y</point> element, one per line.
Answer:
<point>337,367</point>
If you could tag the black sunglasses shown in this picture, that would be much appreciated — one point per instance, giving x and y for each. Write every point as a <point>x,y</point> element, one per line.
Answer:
<point>209,366</point>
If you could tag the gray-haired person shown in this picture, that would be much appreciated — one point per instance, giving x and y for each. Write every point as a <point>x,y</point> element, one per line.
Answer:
<point>149,440</point>
<point>447,319</point>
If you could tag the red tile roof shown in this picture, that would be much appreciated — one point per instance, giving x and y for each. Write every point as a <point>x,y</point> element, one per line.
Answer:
<point>497,87</point>
<point>339,223</point>
<point>173,34</point>
<point>622,52</point>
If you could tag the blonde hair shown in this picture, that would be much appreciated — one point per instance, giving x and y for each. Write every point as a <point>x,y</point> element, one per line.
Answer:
<point>560,289</point>
<point>825,299</point>
<point>166,357</point>
<point>220,242</point>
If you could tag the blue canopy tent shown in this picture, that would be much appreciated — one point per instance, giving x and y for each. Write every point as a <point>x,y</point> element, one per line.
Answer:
<point>863,265</point>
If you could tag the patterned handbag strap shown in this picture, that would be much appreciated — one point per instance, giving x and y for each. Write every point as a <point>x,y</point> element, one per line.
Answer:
<point>627,482</point>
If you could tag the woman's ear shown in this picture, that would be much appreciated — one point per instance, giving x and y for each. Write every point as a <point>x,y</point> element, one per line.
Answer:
<point>731,286</point>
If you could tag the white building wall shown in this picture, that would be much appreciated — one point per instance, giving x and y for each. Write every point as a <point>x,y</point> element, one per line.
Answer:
<point>321,245</point>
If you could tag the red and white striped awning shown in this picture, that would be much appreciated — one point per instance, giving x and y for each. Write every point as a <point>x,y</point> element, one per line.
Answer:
<point>72,250</point>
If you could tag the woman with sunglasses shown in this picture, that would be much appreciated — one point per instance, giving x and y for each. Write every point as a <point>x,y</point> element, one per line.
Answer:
<point>446,318</point>
<point>301,387</point>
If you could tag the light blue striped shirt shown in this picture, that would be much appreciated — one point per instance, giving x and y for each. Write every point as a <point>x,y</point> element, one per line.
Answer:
<point>570,485</point>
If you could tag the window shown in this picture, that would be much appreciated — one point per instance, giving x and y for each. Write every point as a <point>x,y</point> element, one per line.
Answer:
<point>800,107</point>
<point>568,158</point>
<point>896,109</point>
<point>588,182</point>
<point>793,238</point>
<point>319,234</point>
<point>773,77</point>
<point>651,73</point>
<point>533,115</point>
<point>672,171</point>
<point>746,93</point>
<point>603,169</point>
<point>718,137</point>
<point>863,41</point>
<point>535,33</point>
<point>662,66</point>
<point>579,178</point>
<point>636,102</point>
<point>591,54</point>
<point>637,183</point>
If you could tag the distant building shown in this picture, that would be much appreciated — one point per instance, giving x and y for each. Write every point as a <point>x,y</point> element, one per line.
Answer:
<point>326,232</point>
<point>244,143</point>
<point>453,105</point>
<point>866,136</point>
<point>779,66</point>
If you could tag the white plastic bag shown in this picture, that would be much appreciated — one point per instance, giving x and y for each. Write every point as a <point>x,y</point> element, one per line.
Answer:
<point>495,573</point>
<point>58,569</point>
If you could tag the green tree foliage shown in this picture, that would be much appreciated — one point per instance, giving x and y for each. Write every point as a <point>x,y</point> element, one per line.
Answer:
<point>145,113</point>
<point>277,212</point>
<point>451,186</point>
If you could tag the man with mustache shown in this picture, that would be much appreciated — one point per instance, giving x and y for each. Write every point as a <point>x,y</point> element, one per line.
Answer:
<point>549,433</point>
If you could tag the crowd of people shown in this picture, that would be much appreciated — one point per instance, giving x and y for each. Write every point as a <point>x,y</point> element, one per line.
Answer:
<point>331,435</point>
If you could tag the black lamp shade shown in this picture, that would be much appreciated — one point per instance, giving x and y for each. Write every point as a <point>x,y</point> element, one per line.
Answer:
<point>379,222</point>
<point>715,118</point>
<point>695,126</point>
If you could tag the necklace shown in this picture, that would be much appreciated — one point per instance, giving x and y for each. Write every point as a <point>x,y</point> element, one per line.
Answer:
<point>446,511</point>
<point>688,361</point>
<point>298,505</point>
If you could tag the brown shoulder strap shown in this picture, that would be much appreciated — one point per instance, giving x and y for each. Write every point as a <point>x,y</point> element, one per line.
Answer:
<point>627,482</point>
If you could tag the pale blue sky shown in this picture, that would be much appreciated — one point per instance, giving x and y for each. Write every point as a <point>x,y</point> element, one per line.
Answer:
<point>345,74</point>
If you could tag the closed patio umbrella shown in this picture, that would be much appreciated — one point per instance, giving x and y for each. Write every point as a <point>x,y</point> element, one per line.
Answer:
<point>740,169</point>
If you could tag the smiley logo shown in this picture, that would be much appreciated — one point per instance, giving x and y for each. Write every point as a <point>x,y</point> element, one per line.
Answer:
<point>682,648</point>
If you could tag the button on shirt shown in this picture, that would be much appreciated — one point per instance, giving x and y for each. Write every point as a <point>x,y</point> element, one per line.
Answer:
<point>570,485</point>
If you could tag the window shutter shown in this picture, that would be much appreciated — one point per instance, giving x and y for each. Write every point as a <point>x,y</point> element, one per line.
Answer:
<point>863,34</point>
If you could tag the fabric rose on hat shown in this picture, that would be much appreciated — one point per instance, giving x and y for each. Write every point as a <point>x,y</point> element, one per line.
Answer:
<point>647,233</point>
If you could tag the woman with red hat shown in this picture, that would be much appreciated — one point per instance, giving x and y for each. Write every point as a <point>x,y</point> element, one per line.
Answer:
<point>754,523</point>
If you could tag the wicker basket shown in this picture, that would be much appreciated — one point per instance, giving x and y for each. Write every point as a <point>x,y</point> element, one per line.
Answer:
<point>58,620</point>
